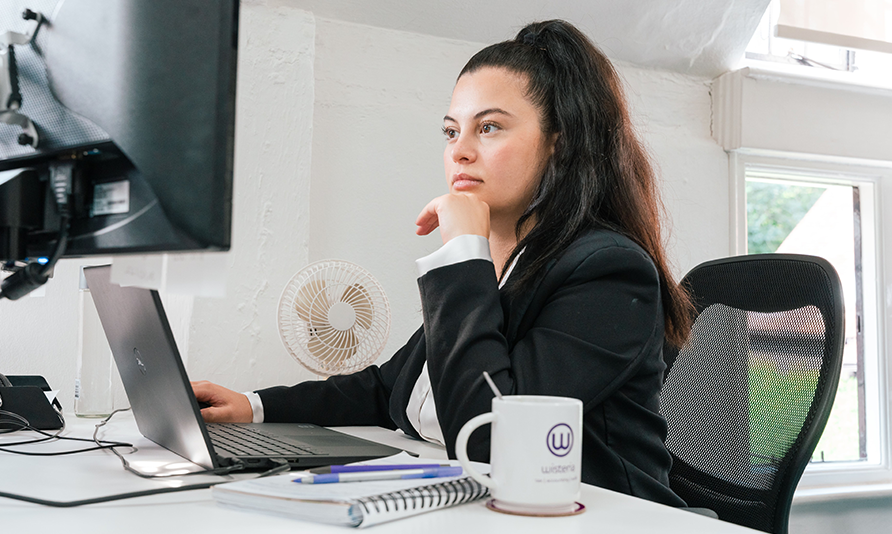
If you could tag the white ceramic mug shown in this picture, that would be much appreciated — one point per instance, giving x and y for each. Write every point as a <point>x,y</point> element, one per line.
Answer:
<point>535,453</point>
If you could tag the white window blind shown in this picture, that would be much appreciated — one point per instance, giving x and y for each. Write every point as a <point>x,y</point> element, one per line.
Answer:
<point>861,24</point>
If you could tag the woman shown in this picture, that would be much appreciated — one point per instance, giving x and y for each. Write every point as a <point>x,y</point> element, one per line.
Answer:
<point>552,276</point>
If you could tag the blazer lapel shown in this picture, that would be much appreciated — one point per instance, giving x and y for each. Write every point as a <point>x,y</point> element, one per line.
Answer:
<point>516,307</point>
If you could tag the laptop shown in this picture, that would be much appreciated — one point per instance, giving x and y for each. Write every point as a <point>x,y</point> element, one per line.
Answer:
<point>167,412</point>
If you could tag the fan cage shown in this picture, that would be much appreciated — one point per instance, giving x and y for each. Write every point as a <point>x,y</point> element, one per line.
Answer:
<point>303,317</point>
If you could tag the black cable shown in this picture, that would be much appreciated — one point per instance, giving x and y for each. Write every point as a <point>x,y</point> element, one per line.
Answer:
<point>61,244</point>
<point>131,495</point>
<point>127,467</point>
<point>16,418</point>
<point>25,425</point>
<point>34,275</point>
<point>107,498</point>
<point>282,467</point>
<point>40,440</point>
<point>61,181</point>
<point>65,453</point>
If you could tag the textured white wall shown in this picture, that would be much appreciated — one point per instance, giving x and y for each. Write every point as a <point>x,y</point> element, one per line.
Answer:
<point>673,114</point>
<point>377,153</point>
<point>689,36</point>
<point>38,335</point>
<point>234,340</point>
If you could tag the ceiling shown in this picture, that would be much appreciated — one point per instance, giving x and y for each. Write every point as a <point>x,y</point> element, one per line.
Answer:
<point>698,37</point>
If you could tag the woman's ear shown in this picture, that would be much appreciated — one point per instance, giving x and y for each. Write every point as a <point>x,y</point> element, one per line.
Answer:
<point>552,142</point>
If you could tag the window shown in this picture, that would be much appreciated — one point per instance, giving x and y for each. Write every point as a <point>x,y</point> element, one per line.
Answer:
<point>792,214</point>
<point>767,46</point>
<point>827,210</point>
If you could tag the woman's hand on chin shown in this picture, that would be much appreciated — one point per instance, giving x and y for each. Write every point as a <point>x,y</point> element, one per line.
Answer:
<point>455,214</point>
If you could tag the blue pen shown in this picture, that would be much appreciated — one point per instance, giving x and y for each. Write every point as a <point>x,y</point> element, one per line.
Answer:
<point>356,468</point>
<point>430,472</point>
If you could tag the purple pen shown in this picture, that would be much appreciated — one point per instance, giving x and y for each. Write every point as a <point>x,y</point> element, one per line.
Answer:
<point>331,478</point>
<point>364,468</point>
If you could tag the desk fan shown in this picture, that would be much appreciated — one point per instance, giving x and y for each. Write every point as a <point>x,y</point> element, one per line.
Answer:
<point>333,317</point>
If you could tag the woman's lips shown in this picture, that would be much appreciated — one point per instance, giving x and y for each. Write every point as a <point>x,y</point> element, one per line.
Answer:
<point>462,182</point>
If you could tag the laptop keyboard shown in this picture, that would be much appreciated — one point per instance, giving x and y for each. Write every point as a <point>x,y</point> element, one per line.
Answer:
<point>246,441</point>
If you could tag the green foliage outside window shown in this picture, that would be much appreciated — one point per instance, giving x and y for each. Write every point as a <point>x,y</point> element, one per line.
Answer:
<point>773,210</point>
<point>775,396</point>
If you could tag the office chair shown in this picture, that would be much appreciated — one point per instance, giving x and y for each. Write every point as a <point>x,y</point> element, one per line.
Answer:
<point>747,397</point>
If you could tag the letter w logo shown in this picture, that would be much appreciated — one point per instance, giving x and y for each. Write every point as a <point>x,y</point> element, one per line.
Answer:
<point>560,439</point>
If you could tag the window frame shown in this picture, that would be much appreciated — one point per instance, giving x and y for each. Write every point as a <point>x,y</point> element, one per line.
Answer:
<point>853,63</point>
<point>834,477</point>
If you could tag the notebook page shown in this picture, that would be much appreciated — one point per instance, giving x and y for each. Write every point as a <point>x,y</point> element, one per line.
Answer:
<point>350,503</point>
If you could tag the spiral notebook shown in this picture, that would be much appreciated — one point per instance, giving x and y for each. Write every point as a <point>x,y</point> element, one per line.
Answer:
<point>354,504</point>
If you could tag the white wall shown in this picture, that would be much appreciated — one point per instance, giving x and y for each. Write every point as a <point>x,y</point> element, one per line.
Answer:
<point>234,340</point>
<point>338,148</point>
<point>377,153</point>
<point>673,114</point>
<point>866,515</point>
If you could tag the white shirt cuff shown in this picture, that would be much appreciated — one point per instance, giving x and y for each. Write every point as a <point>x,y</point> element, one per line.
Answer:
<point>256,406</point>
<point>462,248</point>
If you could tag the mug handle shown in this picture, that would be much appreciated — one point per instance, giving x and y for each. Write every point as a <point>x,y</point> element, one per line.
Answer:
<point>461,447</point>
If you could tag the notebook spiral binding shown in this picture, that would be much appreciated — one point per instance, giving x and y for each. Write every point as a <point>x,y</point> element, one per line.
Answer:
<point>434,496</point>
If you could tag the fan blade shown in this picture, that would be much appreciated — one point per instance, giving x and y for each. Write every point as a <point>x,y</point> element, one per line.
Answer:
<point>346,346</point>
<point>311,303</point>
<point>358,297</point>
<point>317,343</point>
<point>331,347</point>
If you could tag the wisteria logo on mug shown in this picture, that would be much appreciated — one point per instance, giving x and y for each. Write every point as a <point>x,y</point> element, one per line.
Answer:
<point>540,480</point>
<point>560,439</point>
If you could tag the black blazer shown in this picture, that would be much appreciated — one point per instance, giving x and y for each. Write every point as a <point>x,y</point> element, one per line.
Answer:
<point>592,329</point>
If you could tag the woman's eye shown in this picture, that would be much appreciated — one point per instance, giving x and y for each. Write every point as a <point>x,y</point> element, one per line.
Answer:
<point>488,128</point>
<point>450,133</point>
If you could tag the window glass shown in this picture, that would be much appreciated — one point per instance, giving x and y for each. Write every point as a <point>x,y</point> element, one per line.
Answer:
<point>820,219</point>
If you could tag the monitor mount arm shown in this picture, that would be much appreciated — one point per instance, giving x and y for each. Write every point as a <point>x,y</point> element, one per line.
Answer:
<point>10,97</point>
<point>34,274</point>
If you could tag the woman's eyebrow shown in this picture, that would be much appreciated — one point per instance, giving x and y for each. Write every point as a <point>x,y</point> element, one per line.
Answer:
<point>483,113</point>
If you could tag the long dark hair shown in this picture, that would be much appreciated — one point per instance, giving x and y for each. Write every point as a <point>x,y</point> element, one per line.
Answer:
<point>599,175</point>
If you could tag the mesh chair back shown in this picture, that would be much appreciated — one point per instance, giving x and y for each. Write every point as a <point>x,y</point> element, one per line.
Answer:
<point>747,397</point>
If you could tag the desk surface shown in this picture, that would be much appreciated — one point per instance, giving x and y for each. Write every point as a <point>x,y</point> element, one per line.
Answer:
<point>100,473</point>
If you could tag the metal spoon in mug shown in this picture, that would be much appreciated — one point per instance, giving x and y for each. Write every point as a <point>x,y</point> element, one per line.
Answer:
<point>492,385</point>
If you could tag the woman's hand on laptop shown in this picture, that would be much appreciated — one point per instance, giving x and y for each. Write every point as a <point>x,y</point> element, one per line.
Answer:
<point>225,405</point>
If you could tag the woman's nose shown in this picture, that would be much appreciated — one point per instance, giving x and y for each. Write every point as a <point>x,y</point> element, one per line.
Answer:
<point>463,150</point>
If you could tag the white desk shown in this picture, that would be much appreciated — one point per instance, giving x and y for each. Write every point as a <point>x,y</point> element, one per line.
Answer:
<point>100,473</point>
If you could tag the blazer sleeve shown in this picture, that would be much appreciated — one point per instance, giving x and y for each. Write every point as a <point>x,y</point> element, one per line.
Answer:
<point>362,398</point>
<point>582,333</point>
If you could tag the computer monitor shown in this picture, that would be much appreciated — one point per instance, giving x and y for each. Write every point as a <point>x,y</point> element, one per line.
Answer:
<point>123,138</point>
